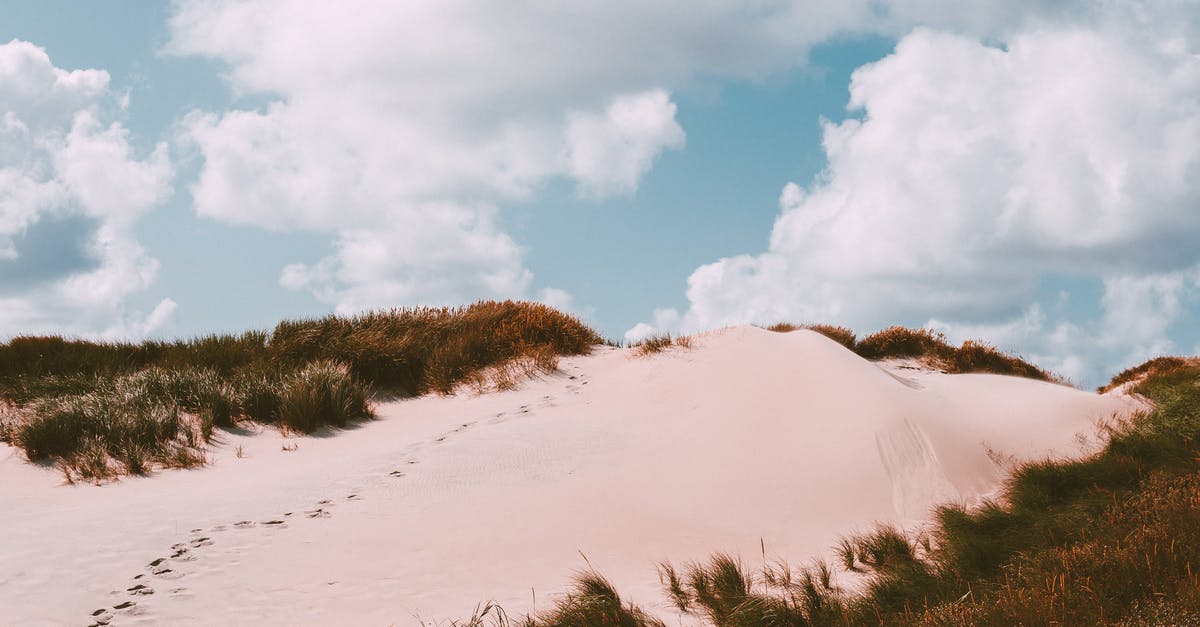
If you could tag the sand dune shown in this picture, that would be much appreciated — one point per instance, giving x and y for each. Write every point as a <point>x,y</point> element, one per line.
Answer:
<point>749,439</point>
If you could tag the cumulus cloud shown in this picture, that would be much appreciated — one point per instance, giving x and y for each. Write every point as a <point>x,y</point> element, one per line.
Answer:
<point>61,165</point>
<point>381,110</point>
<point>374,268</point>
<point>610,152</point>
<point>971,173</point>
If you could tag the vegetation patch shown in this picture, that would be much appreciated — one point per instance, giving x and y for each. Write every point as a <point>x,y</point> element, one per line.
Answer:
<point>927,346</point>
<point>1158,367</point>
<point>103,409</point>
<point>660,343</point>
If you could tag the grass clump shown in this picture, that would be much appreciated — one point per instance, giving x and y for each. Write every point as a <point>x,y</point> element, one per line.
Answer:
<point>932,348</point>
<point>842,335</point>
<point>927,346</point>
<point>414,351</point>
<point>724,592</point>
<point>322,393</point>
<point>902,342</point>
<point>92,407</point>
<point>96,437</point>
<point>1154,368</point>
<point>659,343</point>
<point>594,601</point>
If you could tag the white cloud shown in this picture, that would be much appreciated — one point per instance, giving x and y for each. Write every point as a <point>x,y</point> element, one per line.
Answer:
<point>380,110</point>
<point>610,153</point>
<point>977,171</point>
<point>1067,149</point>
<point>455,251</point>
<point>666,321</point>
<point>557,298</point>
<point>58,161</point>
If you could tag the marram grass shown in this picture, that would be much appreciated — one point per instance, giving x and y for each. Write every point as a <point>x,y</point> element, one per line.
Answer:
<point>101,409</point>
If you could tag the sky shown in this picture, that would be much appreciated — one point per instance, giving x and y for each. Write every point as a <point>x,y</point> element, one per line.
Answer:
<point>1023,172</point>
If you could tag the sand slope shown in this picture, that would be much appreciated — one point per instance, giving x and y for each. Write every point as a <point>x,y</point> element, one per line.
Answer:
<point>750,436</point>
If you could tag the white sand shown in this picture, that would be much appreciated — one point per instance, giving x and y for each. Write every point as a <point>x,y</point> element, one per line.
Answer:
<point>750,436</point>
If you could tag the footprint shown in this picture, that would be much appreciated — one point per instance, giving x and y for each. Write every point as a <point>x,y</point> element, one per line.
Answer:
<point>324,502</point>
<point>157,562</point>
<point>199,542</point>
<point>440,439</point>
<point>352,497</point>
<point>275,523</point>
<point>318,513</point>
<point>167,573</point>
<point>396,473</point>
<point>243,524</point>
<point>141,589</point>
<point>126,604</point>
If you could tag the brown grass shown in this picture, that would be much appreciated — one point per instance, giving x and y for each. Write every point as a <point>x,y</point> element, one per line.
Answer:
<point>660,343</point>
<point>842,335</point>
<point>1157,367</point>
<point>927,346</point>
<point>509,374</point>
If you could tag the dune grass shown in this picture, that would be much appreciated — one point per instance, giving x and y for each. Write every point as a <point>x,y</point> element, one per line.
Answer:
<point>1112,539</point>
<point>926,346</point>
<point>659,343</point>
<point>102,409</point>
<point>1156,368</point>
<point>591,602</point>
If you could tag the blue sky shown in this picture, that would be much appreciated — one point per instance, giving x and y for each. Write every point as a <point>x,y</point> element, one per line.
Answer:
<point>1010,171</point>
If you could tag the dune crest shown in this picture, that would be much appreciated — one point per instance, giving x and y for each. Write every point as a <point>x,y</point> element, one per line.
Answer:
<point>749,439</point>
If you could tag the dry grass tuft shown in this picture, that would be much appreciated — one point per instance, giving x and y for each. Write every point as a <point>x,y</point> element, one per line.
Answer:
<point>660,343</point>
<point>1157,367</point>
<point>842,335</point>
<point>927,346</point>
<point>323,393</point>
<point>509,374</point>
<point>931,348</point>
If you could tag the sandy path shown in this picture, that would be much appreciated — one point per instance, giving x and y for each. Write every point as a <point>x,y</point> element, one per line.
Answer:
<point>784,439</point>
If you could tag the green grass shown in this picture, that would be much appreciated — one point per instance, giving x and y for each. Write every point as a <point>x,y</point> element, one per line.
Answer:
<point>1113,539</point>
<point>319,394</point>
<point>103,409</point>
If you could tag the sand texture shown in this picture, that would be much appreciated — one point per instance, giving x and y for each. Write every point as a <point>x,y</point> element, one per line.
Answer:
<point>749,439</point>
